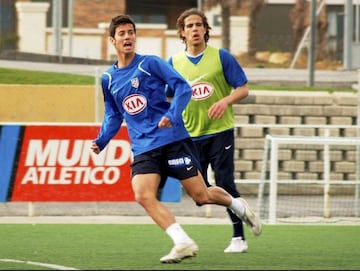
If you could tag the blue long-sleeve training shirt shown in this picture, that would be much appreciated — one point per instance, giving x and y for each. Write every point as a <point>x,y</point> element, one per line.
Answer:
<point>136,93</point>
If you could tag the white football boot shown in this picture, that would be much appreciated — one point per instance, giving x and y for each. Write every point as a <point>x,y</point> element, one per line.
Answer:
<point>250,218</point>
<point>180,252</point>
<point>237,245</point>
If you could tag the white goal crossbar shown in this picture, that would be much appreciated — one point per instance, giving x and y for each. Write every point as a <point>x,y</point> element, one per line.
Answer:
<point>272,143</point>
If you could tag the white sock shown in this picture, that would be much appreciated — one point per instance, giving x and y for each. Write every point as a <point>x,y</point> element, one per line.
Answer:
<point>177,234</point>
<point>237,207</point>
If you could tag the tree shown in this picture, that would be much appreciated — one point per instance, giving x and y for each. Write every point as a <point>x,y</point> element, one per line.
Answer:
<point>298,16</point>
<point>300,19</point>
<point>225,25</point>
<point>226,6</point>
<point>253,8</point>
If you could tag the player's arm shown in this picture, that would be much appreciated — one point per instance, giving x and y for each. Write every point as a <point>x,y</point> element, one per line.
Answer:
<point>182,96</point>
<point>94,147</point>
<point>164,122</point>
<point>217,110</point>
<point>236,77</point>
<point>168,91</point>
<point>182,91</point>
<point>112,119</point>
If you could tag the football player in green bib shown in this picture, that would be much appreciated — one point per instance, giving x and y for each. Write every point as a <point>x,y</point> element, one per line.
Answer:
<point>218,81</point>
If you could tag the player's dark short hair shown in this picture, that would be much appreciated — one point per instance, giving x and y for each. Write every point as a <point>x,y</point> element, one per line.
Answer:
<point>120,20</point>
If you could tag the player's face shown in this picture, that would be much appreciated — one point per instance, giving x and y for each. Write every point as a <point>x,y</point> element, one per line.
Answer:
<point>194,30</point>
<point>124,39</point>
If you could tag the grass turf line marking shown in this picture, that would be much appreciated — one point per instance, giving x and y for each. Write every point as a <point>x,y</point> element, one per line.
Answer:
<point>48,265</point>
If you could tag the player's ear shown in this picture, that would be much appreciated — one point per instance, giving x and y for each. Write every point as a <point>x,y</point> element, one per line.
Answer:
<point>112,40</point>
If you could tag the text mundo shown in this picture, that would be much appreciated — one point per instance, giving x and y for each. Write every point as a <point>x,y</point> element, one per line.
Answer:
<point>73,162</point>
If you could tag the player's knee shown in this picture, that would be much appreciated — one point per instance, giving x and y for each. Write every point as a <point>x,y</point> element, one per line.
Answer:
<point>143,199</point>
<point>201,199</point>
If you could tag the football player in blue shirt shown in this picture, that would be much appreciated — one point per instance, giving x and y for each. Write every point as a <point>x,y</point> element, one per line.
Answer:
<point>133,89</point>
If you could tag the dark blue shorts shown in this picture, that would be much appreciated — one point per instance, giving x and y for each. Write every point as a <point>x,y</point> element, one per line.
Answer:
<point>218,151</point>
<point>178,160</point>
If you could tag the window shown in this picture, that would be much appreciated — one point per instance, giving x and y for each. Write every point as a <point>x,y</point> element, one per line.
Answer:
<point>8,35</point>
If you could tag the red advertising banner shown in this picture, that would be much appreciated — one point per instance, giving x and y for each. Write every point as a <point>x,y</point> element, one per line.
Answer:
<point>57,164</point>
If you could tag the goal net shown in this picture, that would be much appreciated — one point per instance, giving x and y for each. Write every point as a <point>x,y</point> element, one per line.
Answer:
<point>309,179</point>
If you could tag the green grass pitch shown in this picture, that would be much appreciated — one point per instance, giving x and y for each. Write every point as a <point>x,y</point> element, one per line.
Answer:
<point>139,247</point>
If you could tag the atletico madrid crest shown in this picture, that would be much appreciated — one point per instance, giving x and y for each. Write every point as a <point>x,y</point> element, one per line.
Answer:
<point>135,82</point>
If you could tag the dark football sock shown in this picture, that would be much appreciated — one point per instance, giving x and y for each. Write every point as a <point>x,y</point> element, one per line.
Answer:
<point>238,227</point>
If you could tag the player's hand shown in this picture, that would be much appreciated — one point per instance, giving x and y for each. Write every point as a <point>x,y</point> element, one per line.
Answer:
<point>95,148</point>
<point>165,122</point>
<point>217,110</point>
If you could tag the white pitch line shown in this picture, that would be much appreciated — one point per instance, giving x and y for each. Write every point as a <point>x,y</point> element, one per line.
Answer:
<point>48,265</point>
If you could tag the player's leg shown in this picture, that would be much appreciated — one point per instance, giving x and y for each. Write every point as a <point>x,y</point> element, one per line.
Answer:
<point>201,147</point>
<point>195,185</point>
<point>196,188</point>
<point>145,189</point>
<point>146,178</point>
<point>215,194</point>
<point>191,178</point>
<point>221,151</point>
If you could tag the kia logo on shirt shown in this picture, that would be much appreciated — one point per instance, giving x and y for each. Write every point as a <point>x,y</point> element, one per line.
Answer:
<point>134,104</point>
<point>202,91</point>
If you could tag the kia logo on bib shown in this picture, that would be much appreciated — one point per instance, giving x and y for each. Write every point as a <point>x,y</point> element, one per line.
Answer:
<point>202,91</point>
<point>134,104</point>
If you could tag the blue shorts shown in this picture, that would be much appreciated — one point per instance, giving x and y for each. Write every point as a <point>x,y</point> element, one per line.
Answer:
<point>178,160</point>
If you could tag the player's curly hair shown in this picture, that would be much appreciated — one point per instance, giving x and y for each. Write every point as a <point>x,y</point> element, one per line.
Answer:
<point>120,20</point>
<point>180,23</point>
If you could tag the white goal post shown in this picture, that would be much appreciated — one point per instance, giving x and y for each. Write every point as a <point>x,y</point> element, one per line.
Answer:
<point>324,146</point>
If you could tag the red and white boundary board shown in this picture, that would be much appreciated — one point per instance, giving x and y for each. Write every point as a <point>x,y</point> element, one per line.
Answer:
<point>52,162</point>
<point>55,163</point>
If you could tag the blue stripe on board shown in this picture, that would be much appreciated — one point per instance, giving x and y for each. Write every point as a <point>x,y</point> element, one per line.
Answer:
<point>9,138</point>
<point>172,191</point>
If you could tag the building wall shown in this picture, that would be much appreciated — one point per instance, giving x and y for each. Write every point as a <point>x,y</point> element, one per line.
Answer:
<point>31,16</point>
<point>88,14</point>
